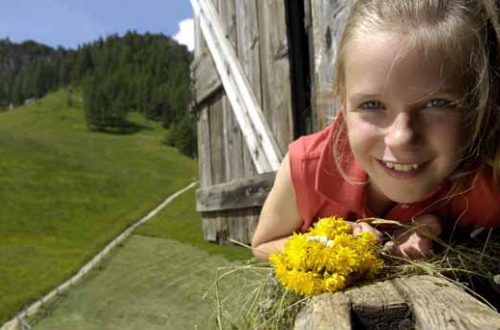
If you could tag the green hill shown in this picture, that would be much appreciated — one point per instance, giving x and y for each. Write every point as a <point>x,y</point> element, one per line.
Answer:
<point>66,191</point>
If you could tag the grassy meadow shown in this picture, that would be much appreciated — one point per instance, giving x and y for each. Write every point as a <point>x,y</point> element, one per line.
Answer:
<point>65,191</point>
<point>162,277</point>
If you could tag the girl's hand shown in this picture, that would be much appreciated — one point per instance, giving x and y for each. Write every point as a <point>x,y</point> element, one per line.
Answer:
<point>417,243</point>
<point>358,228</point>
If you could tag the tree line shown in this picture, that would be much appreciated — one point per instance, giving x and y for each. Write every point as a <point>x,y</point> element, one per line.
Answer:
<point>146,73</point>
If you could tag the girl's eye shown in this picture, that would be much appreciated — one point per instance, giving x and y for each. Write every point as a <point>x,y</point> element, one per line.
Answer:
<point>371,105</point>
<point>437,103</point>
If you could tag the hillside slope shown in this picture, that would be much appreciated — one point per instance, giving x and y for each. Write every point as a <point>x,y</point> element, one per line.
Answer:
<point>66,191</point>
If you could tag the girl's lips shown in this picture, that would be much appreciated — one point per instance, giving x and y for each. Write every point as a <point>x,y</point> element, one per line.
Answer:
<point>406,173</point>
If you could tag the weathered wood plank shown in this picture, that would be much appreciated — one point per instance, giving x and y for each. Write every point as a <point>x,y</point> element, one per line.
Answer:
<point>205,78</point>
<point>252,219</point>
<point>228,16</point>
<point>217,141</point>
<point>214,227</point>
<point>325,312</point>
<point>263,147</point>
<point>438,304</point>
<point>233,144</point>
<point>198,38</point>
<point>204,151</point>
<point>237,226</point>
<point>222,227</point>
<point>418,302</point>
<point>233,141</point>
<point>275,71</point>
<point>249,56</point>
<point>379,306</point>
<point>237,194</point>
<point>328,21</point>
<point>209,228</point>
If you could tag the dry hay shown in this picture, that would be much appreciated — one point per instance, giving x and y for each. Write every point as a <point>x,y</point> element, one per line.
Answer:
<point>262,303</point>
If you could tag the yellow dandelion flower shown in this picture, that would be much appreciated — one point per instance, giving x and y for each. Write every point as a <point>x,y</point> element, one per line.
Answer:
<point>330,227</point>
<point>326,259</point>
<point>334,282</point>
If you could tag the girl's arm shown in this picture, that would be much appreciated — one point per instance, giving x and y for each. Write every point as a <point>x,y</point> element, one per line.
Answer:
<point>279,217</point>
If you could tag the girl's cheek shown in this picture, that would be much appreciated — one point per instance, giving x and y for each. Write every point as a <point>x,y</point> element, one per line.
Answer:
<point>447,130</point>
<point>362,133</point>
<point>450,125</point>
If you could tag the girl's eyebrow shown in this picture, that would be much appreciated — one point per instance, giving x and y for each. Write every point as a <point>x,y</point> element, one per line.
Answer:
<point>447,92</point>
<point>363,96</point>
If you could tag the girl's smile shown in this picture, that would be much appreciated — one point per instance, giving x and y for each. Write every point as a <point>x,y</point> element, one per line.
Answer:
<point>403,124</point>
<point>402,170</point>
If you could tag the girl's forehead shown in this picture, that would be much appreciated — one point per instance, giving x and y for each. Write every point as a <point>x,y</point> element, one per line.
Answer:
<point>385,60</point>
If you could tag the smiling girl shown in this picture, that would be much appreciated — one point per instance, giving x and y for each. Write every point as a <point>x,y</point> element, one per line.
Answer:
<point>416,138</point>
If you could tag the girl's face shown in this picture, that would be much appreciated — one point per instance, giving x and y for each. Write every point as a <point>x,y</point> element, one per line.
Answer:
<point>402,123</point>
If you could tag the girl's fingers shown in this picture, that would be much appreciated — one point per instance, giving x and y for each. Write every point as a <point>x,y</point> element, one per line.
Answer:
<point>358,228</point>
<point>415,247</point>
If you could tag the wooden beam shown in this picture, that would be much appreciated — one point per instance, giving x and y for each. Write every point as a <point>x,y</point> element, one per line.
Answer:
<point>325,311</point>
<point>262,145</point>
<point>416,302</point>
<point>438,304</point>
<point>236,194</point>
<point>205,78</point>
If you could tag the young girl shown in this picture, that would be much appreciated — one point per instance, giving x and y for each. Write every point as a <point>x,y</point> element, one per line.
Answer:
<point>416,138</point>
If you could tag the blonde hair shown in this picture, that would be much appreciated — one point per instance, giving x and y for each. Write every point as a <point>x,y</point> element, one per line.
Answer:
<point>466,34</point>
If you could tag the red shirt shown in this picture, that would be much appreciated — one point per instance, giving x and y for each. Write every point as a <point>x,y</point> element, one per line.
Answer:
<point>321,191</point>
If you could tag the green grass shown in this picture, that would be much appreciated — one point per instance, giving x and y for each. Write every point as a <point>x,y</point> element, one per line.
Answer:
<point>180,221</point>
<point>65,192</point>
<point>163,277</point>
<point>150,283</point>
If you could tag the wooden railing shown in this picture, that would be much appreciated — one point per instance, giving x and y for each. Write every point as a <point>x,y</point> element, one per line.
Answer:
<point>418,302</point>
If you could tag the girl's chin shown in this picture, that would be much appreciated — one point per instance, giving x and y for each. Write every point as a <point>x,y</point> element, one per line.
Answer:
<point>407,195</point>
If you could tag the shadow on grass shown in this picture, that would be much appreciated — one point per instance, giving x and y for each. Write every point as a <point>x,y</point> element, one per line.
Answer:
<point>118,126</point>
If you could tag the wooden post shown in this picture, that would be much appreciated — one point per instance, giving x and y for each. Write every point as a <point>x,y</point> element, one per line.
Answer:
<point>418,302</point>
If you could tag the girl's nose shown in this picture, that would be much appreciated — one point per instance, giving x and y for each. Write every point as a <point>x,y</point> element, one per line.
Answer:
<point>401,131</point>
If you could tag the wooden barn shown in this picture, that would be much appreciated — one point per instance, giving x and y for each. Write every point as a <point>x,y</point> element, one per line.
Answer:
<point>262,77</point>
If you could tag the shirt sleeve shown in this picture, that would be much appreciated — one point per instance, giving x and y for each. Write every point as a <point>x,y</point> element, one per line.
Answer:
<point>480,205</point>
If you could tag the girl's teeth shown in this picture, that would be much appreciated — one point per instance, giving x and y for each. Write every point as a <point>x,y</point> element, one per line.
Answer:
<point>402,167</point>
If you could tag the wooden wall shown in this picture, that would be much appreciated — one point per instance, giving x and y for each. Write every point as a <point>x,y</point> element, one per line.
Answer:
<point>287,50</point>
<point>231,193</point>
<point>326,21</point>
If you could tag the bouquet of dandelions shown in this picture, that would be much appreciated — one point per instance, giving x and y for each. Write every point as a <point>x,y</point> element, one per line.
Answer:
<point>326,259</point>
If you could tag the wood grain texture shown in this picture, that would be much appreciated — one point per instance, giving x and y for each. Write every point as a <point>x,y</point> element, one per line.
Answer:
<point>236,194</point>
<point>205,78</point>
<point>263,147</point>
<point>379,306</point>
<point>325,312</point>
<point>233,144</point>
<point>438,304</point>
<point>418,302</point>
<point>249,56</point>
<point>217,141</point>
<point>252,219</point>
<point>328,19</point>
<point>275,71</point>
<point>204,151</point>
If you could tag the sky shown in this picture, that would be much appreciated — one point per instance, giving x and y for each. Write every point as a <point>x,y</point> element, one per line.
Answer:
<point>70,23</point>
